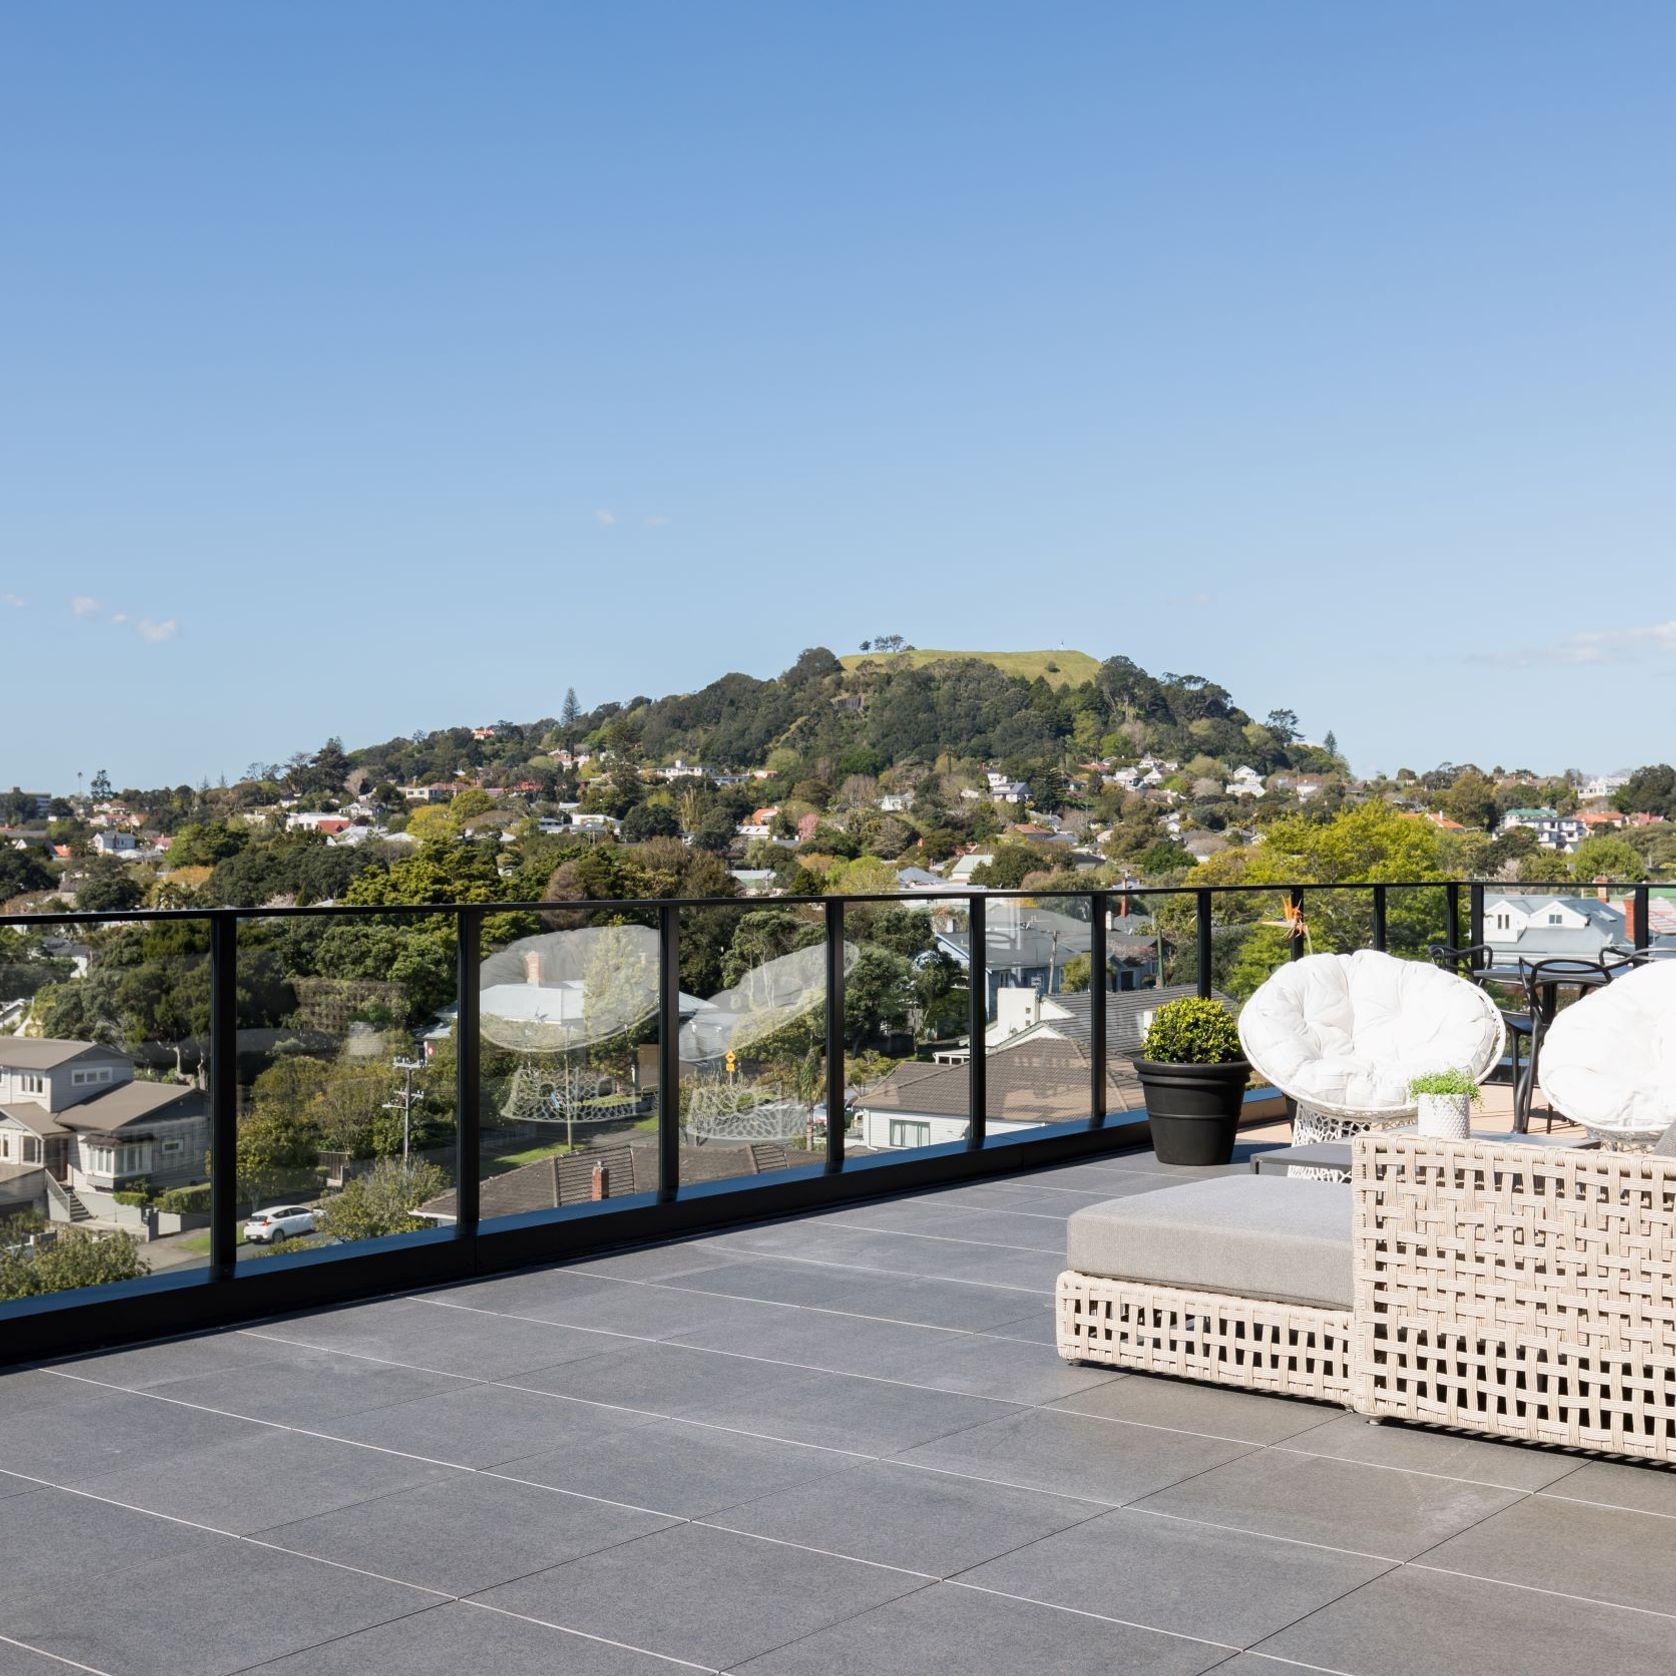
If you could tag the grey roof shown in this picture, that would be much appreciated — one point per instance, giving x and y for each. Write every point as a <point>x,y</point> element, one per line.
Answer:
<point>133,1102</point>
<point>1124,1011</point>
<point>1042,1081</point>
<point>1018,936</point>
<point>1607,915</point>
<point>549,1183</point>
<point>25,1053</point>
<point>37,1119</point>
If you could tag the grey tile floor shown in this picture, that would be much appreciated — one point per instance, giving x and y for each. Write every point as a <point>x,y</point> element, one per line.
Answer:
<point>838,1445</point>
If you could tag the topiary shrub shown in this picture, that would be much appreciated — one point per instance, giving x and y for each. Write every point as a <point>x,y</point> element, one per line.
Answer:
<point>1192,1031</point>
<point>186,1201</point>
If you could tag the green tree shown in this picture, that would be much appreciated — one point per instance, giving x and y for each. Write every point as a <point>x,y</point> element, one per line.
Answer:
<point>650,820</point>
<point>1009,866</point>
<point>1472,801</point>
<point>109,890</point>
<point>1163,857</point>
<point>879,996</point>
<point>1545,867</point>
<point>1649,791</point>
<point>21,872</point>
<point>75,1258</point>
<point>381,1201</point>
<point>1606,857</point>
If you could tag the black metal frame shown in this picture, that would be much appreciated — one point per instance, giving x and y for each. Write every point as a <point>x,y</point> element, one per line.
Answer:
<point>226,1291</point>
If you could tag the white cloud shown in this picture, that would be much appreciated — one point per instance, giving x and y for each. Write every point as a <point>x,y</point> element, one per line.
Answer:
<point>604,515</point>
<point>85,605</point>
<point>12,600</point>
<point>119,616</point>
<point>657,521</point>
<point>156,633</point>
<point>1605,646</point>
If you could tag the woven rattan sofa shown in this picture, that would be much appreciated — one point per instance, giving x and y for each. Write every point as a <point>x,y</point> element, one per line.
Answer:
<point>1519,1291</point>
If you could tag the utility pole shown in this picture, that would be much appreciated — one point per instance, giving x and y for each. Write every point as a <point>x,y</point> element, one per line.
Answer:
<point>405,1101</point>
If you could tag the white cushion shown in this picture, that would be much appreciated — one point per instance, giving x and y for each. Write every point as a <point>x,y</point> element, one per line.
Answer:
<point>1608,1061</point>
<point>1346,1033</point>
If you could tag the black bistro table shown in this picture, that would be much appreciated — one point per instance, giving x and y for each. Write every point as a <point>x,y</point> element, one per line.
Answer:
<point>1542,981</point>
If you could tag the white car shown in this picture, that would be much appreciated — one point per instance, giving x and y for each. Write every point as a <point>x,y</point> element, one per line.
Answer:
<point>269,1227</point>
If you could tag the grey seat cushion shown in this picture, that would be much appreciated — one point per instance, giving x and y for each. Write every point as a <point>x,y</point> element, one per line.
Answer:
<point>1254,1236</point>
<point>1666,1147</point>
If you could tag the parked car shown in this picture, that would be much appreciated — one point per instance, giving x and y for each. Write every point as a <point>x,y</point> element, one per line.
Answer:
<point>281,1222</point>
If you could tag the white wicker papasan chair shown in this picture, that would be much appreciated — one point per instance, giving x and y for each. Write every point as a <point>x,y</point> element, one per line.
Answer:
<point>1343,1035</point>
<point>1608,1061</point>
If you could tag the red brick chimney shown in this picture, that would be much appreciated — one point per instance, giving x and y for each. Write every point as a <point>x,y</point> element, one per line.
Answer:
<point>1600,887</point>
<point>1629,919</point>
<point>532,966</point>
<point>600,1188</point>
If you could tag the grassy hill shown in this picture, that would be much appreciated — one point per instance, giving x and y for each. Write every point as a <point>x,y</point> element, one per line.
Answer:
<point>1060,669</point>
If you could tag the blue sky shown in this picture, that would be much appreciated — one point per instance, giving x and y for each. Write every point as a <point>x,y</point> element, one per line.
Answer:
<point>370,367</point>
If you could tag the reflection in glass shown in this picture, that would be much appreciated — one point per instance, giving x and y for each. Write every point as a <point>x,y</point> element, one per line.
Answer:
<point>346,1077</point>
<point>569,1067</point>
<point>104,1109</point>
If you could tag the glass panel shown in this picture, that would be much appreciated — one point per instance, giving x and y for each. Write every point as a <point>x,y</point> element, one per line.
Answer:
<point>105,1128</point>
<point>569,1064</point>
<point>1339,920</point>
<point>346,1080</point>
<point>753,1036</point>
<point>1039,998</point>
<point>905,1024</point>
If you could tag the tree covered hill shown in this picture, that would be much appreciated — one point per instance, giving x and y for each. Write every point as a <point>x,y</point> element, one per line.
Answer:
<point>903,708</point>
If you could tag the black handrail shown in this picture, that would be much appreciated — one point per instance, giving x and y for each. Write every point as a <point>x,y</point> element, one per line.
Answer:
<point>227,1290</point>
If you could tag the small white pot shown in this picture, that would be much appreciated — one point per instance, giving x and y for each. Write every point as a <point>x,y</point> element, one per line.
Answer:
<point>1445,1117</point>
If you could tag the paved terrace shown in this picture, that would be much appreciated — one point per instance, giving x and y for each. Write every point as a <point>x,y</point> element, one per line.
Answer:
<point>834,1446</point>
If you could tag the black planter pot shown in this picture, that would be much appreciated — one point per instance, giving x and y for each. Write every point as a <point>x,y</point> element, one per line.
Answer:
<point>1193,1109</point>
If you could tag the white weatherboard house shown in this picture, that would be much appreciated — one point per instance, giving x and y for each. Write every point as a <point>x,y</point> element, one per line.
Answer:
<point>77,1111</point>
<point>1552,830</point>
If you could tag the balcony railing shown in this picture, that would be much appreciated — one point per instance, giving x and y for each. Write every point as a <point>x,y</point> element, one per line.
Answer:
<point>607,1034</point>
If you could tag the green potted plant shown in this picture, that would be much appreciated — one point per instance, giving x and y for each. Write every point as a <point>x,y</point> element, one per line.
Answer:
<point>1445,1100</point>
<point>1193,1073</point>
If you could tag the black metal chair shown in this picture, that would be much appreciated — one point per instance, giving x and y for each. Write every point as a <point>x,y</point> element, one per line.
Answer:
<point>1543,979</point>
<point>1471,963</point>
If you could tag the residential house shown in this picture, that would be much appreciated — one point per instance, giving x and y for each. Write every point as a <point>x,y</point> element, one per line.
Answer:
<point>1553,830</point>
<point>896,802</point>
<point>1600,820</point>
<point>1203,845</point>
<point>1025,946</point>
<point>76,1110</point>
<point>1025,1088</point>
<point>1550,927</point>
<point>964,866</point>
<point>1004,789</point>
<point>1602,786</point>
<point>1246,782</point>
<point>1023,1016</point>
<point>116,841</point>
<point>761,822</point>
<point>918,879</point>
